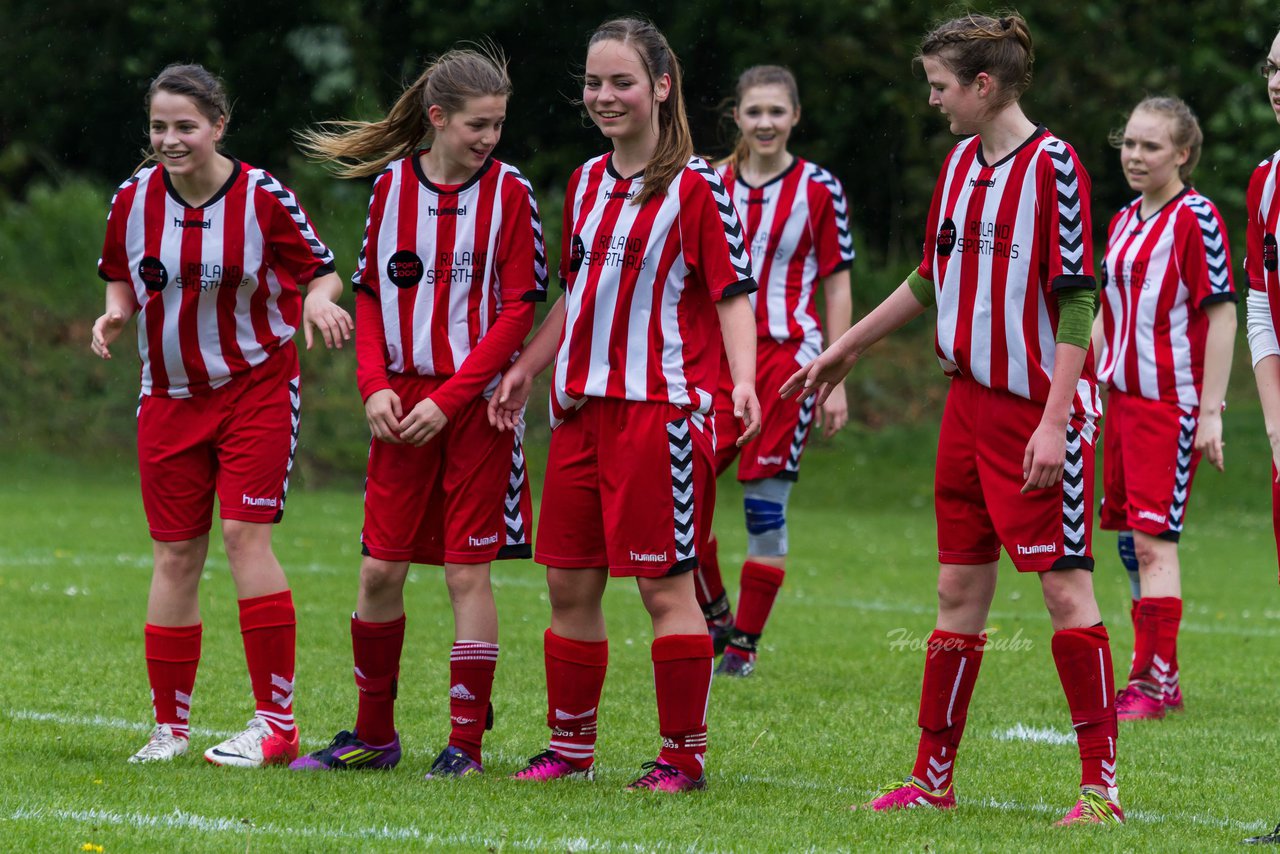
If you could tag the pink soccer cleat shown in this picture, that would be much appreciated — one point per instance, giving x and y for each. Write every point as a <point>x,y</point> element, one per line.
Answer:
<point>1135,704</point>
<point>661,777</point>
<point>550,765</point>
<point>1093,808</point>
<point>910,794</point>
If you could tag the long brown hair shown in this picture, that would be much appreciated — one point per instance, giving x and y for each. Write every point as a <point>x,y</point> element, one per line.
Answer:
<point>359,149</point>
<point>1184,129</point>
<point>759,75</point>
<point>974,43</point>
<point>675,142</point>
<point>194,82</point>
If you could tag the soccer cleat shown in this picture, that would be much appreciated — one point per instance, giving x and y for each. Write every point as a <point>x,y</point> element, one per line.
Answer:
<point>161,746</point>
<point>735,664</point>
<point>347,751</point>
<point>720,632</point>
<point>908,794</point>
<point>1173,701</point>
<point>257,746</point>
<point>1135,704</point>
<point>1093,808</point>
<point>661,777</point>
<point>453,762</point>
<point>1271,838</point>
<point>550,765</point>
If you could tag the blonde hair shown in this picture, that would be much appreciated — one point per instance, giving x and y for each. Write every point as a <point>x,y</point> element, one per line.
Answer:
<point>1184,129</point>
<point>972,44</point>
<point>359,149</point>
<point>675,142</point>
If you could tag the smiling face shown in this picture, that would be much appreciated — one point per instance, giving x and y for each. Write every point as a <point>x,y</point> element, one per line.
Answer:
<point>1273,81</point>
<point>617,92</point>
<point>765,117</point>
<point>183,138</point>
<point>964,107</point>
<point>1148,154</point>
<point>465,139</point>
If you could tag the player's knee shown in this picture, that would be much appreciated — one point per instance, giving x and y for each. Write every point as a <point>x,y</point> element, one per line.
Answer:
<point>380,576</point>
<point>246,543</point>
<point>180,561</point>
<point>765,506</point>
<point>1128,550</point>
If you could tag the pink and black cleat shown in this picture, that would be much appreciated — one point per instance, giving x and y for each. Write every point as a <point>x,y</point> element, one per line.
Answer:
<point>910,794</point>
<point>550,765</point>
<point>661,777</point>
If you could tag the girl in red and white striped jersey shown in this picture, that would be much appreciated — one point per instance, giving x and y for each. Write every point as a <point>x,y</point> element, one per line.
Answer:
<point>211,253</point>
<point>1164,339</point>
<point>796,219</point>
<point>1008,262</point>
<point>652,258</point>
<point>451,266</point>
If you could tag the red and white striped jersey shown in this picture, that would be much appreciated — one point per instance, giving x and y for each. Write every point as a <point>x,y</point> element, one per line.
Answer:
<point>1158,274</point>
<point>1261,261</point>
<point>441,263</point>
<point>797,229</point>
<point>1001,239</point>
<point>216,286</point>
<point>642,282</point>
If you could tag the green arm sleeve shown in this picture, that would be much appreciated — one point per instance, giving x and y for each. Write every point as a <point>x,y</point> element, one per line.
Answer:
<point>1075,316</point>
<point>921,288</point>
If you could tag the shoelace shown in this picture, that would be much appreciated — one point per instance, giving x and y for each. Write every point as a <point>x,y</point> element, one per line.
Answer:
<point>255,731</point>
<point>546,757</point>
<point>1097,806</point>
<point>658,772</point>
<point>157,744</point>
<point>451,762</point>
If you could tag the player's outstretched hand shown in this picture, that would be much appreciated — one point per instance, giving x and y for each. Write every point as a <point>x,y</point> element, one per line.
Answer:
<point>1043,459</point>
<point>506,407</point>
<point>821,376</point>
<point>383,412</point>
<point>746,408</point>
<point>320,312</point>
<point>1209,438</point>
<point>423,423</point>
<point>107,329</point>
<point>834,413</point>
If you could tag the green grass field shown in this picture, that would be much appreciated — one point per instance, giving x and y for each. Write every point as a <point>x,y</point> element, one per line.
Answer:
<point>828,717</point>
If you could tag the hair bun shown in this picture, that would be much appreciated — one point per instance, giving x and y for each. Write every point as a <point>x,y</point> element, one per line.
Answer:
<point>1005,23</point>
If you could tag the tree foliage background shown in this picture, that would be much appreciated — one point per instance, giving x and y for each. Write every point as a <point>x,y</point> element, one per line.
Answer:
<point>75,72</point>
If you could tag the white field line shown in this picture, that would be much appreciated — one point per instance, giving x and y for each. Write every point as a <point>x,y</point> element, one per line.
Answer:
<point>1019,732</point>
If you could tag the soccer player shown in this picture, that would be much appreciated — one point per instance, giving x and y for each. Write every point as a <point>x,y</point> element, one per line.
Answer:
<point>451,267</point>
<point>652,257</point>
<point>1164,339</point>
<point>1008,263</point>
<point>796,218</point>
<point>210,252</point>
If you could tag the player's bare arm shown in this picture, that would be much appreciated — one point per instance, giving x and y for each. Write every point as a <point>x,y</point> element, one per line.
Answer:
<point>120,306</point>
<point>834,412</point>
<point>738,328</point>
<point>320,310</point>
<point>507,403</point>
<point>822,374</point>
<point>1219,345</point>
<point>1047,450</point>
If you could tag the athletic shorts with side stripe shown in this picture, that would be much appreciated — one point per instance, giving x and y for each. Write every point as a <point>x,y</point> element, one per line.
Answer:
<point>1148,463</point>
<point>978,483</point>
<point>463,497</point>
<point>629,487</point>
<point>784,423</point>
<point>236,441</point>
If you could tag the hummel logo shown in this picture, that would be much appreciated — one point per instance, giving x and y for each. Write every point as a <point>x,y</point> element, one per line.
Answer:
<point>460,692</point>
<point>1158,518</point>
<point>249,501</point>
<point>483,541</point>
<point>648,557</point>
<point>1043,549</point>
<point>769,461</point>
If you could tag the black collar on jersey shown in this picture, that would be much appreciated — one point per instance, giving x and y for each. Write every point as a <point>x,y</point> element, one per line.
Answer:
<point>435,188</point>
<point>1040,131</point>
<point>608,165</point>
<point>217,197</point>
<point>737,176</point>
<point>1143,220</point>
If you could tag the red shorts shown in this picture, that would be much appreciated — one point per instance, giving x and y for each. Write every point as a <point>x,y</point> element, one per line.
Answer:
<point>1148,463</point>
<point>236,440</point>
<point>978,482</point>
<point>463,497</point>
<point>630,487</point>
<point>784,423</point>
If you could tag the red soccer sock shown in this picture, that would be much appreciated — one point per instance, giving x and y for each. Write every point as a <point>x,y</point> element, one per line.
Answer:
<point>376,648</point>
<point>1164,661</point>
<point>951,667</point>
<point>759,588</point>
<point>269,630</point>
<point>173,654</point>
<point>1145,630</point>
<point>575,680</point>
<point>707,583</point>
<point>1083,657</point>
<point>682,679</point>
<point>471,666</point>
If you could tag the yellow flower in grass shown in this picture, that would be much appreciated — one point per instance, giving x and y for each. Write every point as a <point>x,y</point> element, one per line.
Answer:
<point>89,846</point>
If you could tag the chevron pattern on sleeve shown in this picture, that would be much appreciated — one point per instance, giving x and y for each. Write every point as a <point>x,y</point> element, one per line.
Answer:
<point>1070,220</point>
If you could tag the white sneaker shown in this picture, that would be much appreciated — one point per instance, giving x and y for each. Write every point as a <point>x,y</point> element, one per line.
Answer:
<point>258,745</point>
<point>162,746</point>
